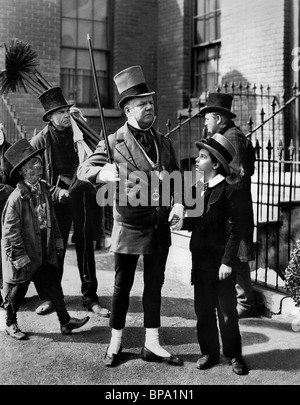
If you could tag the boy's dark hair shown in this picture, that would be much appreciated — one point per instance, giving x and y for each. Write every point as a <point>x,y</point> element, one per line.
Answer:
<point>220,169</point>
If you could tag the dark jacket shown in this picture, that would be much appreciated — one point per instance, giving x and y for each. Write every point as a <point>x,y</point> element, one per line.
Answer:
<point>21,236</point>
<point>6,185</point>
<point>44,139</point>
<point>243,166</point>
<point>216,234</point>
<point>141,229</point>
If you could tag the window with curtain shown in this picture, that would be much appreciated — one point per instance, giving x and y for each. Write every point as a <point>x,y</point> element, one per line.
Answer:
<point>79,18</point>
<point>206,46</point>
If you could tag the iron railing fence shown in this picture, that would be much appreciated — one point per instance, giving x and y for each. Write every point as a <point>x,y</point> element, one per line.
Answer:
<point>276,205</point>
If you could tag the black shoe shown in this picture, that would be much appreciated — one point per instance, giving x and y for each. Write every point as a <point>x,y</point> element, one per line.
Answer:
<point>206,361</point>
<point>246,313</point>
<point>73,323</point>
<point>238,366</point>
<point>147,355</point>
<point>113,360</point>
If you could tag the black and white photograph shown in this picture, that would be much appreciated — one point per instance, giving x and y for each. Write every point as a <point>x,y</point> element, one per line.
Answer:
<point>150,195</point>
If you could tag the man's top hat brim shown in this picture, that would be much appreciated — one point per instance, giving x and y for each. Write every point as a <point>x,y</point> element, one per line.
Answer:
<point>45,116</point>
<point>210,109</point>
<point>219,150</point>
<point>134,92</point>
<point>14,173</point>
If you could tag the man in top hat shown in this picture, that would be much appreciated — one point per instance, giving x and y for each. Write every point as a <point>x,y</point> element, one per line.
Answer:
<point>219,119</point>
<point>31,240</point>
<point>214,244</point>
<point>138,229</point>
<point>60,162</point>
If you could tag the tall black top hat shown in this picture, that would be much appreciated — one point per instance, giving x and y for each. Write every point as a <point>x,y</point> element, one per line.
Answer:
<point>131,83</point>
<point>18,154</point>
<point>221,148</point>
<point>218,102</point>
<point>53,99</point>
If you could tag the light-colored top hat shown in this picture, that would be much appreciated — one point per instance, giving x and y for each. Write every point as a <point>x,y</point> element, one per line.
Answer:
<point>221,148</point>
<point>131,83</point>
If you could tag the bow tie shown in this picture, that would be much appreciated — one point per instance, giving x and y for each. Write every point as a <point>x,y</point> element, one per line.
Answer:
<point>205,186</point>
<point>146,140</point>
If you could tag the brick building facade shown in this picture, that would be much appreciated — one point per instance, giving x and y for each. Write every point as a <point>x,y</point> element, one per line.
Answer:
<point>257,39</point>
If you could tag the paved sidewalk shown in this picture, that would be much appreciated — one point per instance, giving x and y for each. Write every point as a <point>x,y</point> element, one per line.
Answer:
<point>270,345</point>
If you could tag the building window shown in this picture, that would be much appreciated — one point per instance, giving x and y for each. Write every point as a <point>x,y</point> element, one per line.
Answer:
<point>79,18</point>
<point>206,45</point>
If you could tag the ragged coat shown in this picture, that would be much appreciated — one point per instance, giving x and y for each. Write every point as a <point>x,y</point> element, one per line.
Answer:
<point>21,235</point>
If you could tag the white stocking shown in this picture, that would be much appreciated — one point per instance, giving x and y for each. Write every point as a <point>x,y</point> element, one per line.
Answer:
<point>152,343</point>
<point>115,341</point>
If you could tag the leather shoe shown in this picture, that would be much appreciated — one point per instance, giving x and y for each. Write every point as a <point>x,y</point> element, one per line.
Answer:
<point>45,308</point>
<point>113,360</point>
<point>101,311</point>
<point>238,366</point>
<point>15,332</point>
<point>246,313</point>
<point>206,361</point>
<point>73,323</point>
<point>147,355</point>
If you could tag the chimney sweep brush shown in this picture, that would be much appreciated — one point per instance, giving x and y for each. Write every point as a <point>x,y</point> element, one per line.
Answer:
<point>20,71</point>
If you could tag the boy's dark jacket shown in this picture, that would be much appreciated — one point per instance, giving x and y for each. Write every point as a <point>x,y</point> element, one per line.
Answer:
<point>216,234</point>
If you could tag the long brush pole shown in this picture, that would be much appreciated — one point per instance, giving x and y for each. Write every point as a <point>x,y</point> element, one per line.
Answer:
<point>109,155</point>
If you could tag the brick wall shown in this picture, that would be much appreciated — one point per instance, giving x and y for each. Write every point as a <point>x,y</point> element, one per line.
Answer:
<point>154,35</point>
<point>173,60</point>
<point>135,38</point>
<point>253,42</point>
<point>38,23</point>
<point>254,47</point>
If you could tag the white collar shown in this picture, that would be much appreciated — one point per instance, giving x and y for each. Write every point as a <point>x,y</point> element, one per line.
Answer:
<point>133,122</point>
<point>214,181</point>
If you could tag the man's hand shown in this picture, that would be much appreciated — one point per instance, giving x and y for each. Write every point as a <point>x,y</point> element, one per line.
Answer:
<point>25,268</point>
<point>63,196</point>
<point>176,217</point>
<point>109,172</point>
<point>224,271</point>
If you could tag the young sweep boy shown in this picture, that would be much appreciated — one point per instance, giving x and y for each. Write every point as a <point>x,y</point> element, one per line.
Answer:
<point>31,240</point>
